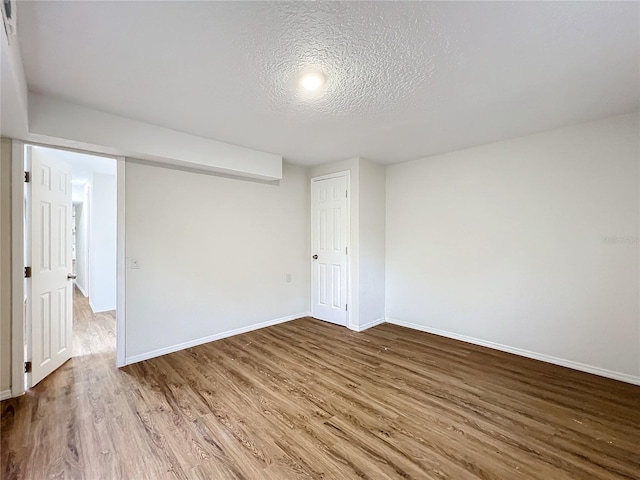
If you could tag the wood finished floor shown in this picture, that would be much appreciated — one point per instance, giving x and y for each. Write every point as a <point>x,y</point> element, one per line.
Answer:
<point>309,400</point>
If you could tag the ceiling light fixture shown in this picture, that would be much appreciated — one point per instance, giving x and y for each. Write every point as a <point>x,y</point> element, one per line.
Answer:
<point>311,82</point>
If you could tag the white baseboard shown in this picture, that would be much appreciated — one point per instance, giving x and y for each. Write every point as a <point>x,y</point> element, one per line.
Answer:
<point>5,394</point>
<point>82,290</point>
<point>362,328</point>
<point>624,377</point>
<point>101,309</point>
<point>210,338</point>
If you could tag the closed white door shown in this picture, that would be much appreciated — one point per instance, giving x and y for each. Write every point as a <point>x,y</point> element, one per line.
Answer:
<point>50,295</point>
<point>329,237</point>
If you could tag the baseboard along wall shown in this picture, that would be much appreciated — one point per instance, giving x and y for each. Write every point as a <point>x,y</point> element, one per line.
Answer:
<point>362,328</point>
<point>101,309</point>
<point>210,338</point>
<point>623,377</point>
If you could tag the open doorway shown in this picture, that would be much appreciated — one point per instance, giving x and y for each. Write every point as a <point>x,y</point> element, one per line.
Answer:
<point>70,245</point>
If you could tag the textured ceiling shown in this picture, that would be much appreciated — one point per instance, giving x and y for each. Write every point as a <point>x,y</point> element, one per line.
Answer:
<point>404,79</point>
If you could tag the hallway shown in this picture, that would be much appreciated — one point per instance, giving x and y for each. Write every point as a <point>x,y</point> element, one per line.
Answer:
<point>93,333</point>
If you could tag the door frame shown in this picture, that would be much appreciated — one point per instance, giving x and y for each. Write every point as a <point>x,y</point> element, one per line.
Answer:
<point>18,235</point>
<point>347,174</point>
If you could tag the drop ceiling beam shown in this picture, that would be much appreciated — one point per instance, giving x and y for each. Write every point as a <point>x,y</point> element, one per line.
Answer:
<point>75,124</point>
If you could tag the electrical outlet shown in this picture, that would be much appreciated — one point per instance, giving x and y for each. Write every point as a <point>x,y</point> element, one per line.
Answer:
<point>288,278</point>
<point>134,263</point>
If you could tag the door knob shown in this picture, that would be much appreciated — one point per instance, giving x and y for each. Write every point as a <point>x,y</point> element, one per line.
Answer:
<point>71,276</point>
<point>315,257</point>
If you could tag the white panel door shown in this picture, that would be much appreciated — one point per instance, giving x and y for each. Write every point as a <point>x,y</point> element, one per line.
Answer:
<point>329,237</point>
<point>50,299</point>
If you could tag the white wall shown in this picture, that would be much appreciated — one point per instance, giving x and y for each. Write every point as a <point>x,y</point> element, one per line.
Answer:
<point>102,242</point>
<point>5,268</point>
<point>372,243</point>
<point>13,89</point>
<point>82,238</point>
<point>504,243</point>
<point>213,254</point>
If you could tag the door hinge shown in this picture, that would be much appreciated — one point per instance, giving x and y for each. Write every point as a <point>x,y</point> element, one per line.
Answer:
<point>345,251</point>
<point>27,367</point>
<point>346,306</point>
<point>27,177</point>
<point>27,272</point>
<point>346,193</point>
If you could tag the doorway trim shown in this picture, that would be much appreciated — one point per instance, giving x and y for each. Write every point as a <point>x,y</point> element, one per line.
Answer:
<point>347,174</point>
<point>17,268</point>
<point>18,315</point>
<point>121,264</point>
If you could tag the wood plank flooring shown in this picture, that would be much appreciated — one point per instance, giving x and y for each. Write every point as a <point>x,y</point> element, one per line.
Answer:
<point>309,400</point>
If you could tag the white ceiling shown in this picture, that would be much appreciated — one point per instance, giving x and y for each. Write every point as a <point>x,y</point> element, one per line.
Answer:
<point>406,79</point>
<point>83,167</point>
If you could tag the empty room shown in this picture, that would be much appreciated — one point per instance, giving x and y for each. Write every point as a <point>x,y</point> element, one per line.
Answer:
<point>319,240</point>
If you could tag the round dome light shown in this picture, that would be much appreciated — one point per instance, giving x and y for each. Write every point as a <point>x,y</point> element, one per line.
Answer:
<point>311,82</point>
